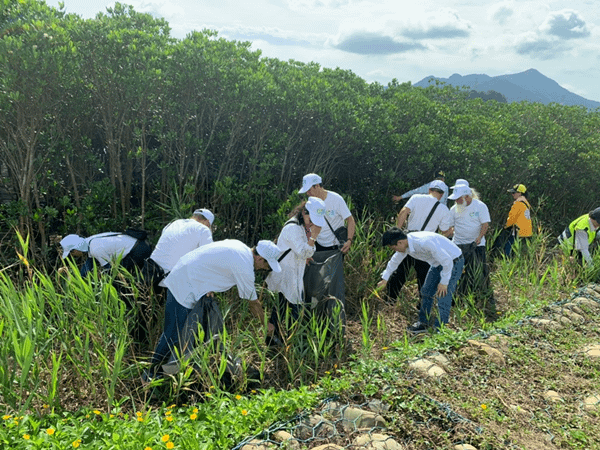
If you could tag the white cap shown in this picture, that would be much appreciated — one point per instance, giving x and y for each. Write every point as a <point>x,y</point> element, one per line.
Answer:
<point>460,182</point>
<point>73,242</point>
<point>316,209</point>
<point>207,214</point>
<point>460,191</point>
<point>438,184</point>
<point>309,181</point>
<point>270,252</point>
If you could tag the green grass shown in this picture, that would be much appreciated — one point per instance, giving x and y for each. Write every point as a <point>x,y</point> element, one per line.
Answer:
<point>69,372</point>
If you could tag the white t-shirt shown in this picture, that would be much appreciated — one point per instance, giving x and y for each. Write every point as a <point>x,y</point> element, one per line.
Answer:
<point>178,238</point>
<point>214,267</point>
<point>290,281</point>
<point>107,247</point>
<point>420,206</point>
<point>468,222</point>
<point>336,212</point>
<point>433,248</point>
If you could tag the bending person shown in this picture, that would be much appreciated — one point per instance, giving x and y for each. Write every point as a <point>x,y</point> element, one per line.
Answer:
<point>579,235</point>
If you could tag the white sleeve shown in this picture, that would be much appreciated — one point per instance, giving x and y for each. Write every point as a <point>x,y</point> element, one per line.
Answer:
<point>582,244</point>
<point>393,265</point>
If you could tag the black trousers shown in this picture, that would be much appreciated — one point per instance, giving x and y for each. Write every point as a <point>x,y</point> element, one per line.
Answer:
<point>476,279</point>
<point>399,277</point>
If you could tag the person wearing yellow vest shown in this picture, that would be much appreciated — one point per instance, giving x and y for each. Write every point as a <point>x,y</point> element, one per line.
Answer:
<point>580,234</point>
<point>519,217</point>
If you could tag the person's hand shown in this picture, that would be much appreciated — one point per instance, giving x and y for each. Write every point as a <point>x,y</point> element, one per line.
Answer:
<point>63,270</point>
<point>381,285</point>
<point>478,240</point>
<point>396,198</point>
<point>442,290</point>
<point>314,231</point>
<point>210,294</point>
<point>346,246</point>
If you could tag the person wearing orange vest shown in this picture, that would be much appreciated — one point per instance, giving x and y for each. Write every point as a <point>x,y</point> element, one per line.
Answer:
<point>580,234</point>
<point>519,217</point>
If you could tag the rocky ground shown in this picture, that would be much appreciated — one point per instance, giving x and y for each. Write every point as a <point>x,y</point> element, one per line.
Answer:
<point>534,385</point>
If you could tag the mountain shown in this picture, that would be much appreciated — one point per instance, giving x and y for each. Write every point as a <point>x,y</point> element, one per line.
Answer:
<point>530,85</point>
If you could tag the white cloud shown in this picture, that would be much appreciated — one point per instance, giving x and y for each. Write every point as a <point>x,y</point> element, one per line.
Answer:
<point>565,24</point>
<point>442,24</point>
<point>501,12</point>
<point>158,8</point>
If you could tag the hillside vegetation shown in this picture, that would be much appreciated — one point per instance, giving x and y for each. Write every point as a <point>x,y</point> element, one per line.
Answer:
<point>111,122</point>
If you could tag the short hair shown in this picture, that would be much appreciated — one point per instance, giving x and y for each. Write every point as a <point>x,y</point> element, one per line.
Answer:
<point>199,216</point>
<point>392,236</point>
<point>439,191</point>
<point>595,214</point>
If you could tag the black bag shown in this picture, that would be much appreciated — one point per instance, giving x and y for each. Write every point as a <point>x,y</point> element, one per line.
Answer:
<point>140,235</point>
<point>341,234</point>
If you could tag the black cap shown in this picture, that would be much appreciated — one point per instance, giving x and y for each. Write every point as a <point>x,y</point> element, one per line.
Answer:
<point>595,214</point>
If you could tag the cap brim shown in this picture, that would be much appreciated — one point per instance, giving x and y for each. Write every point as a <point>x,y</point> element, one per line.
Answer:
<point>303,190</point>
<point>318,221</point>
<point>274,265</point>
<point>65,253</point>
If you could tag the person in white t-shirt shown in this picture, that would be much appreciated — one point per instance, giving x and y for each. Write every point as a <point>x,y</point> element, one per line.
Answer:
<point>446,263</point>
<point>106,249</point>
<point>177,239</point>
<point>336,214</point>
<point>416,214</point>
<point>297,243</point>
<point>470,220</point>
<point>191,284</point>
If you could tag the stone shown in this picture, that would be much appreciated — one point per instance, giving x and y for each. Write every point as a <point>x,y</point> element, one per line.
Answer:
<point>586,302</point>
<point>545,323</point>
<point>552,396</point>
<point>427,367</point>
<point>593,351</point>
<point>440,359</point>
<point>327,447</point>
<point>355,418</point>
<point>494,354</point>
<point>287,439</point>
<point>592,403</point>
<point>573,307</point>
<point>378,406</point>
<point>375,441</point>
<point>464,447</point>
<point>499,340</point>
<point>255,444</point>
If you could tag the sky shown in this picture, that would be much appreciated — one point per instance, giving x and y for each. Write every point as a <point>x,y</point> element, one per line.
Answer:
<point>380,40</point>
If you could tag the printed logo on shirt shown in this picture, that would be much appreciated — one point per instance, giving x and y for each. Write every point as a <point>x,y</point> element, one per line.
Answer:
<point>330,213</point>
<point>474,214</point>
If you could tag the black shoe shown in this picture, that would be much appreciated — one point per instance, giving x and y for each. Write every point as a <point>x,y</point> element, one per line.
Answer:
<point>417,327</point>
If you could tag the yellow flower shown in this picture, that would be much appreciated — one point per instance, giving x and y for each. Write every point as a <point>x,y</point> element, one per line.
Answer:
<point>50,431</point>
<point>6,417</point>
<point>167,413</point>
<point>172,406</point>
<point>26,437</point>
<point>140,419</point>
<point>384,348</point>
<point>148,448</point>
<point>138,413</point>
<point>244,412</point>
<point>45,406</point>
<point>327,372</point>
<point>484,407</point>
<point>87,416</point>
<point>170,445</point>
<point>253,391</point>
<point>165,438</point>
<point>97,412</point>
<point>77,443</point>
<point>111,416</point>
<point>238,397</point>
<point>193,416</point>
<point>169,419</point>
<point>195,410</point>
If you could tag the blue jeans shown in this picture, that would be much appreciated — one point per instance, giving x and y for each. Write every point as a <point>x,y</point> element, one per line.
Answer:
<point>175,317</point>
<point>430,288</point>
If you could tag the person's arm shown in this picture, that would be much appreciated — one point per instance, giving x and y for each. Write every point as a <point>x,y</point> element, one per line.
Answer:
<point>423,189</point>
<point>402,216</point>
<point>582,244</point>
<point>257,311</point>
<point>484,228</point>
<point>514,213</point>
<point>351,230</point>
